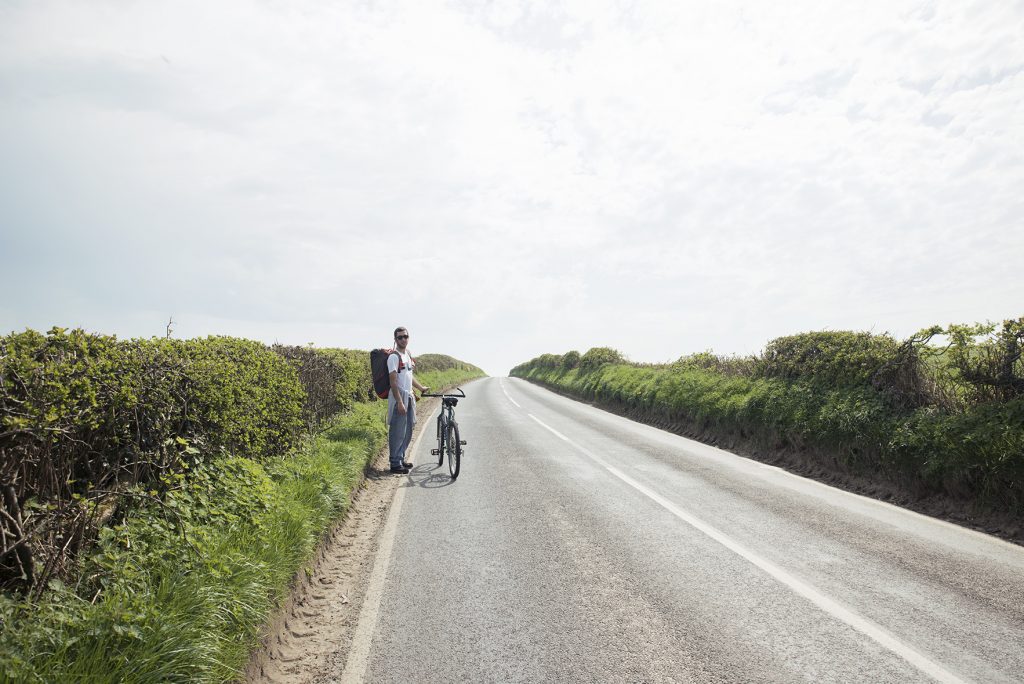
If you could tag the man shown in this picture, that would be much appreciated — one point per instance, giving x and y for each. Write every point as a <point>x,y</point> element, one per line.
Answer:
<point>401,402</point>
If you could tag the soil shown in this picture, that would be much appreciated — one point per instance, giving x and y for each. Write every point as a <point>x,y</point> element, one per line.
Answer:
<point>314,629</point>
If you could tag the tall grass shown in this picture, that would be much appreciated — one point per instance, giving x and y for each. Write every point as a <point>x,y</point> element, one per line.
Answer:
<point>180,589</point>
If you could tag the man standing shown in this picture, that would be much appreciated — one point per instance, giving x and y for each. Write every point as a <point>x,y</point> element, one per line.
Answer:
<point>401,402</point>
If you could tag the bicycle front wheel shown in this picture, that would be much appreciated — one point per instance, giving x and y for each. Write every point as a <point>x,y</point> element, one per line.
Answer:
<point>454,447</point>
<point>440,439</point>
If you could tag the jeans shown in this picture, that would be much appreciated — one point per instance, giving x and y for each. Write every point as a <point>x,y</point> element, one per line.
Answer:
<point>400,432</point>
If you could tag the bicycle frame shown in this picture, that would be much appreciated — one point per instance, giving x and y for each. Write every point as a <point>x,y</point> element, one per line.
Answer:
<point>448,440</point>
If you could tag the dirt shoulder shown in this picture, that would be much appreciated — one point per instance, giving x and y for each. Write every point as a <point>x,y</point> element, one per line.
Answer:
<point>314,629</point>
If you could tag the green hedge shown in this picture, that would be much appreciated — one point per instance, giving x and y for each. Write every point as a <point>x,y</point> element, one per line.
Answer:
<point>178,590</point>
<point>333,379</point>
<point>440,372</point>
<point>85,416</point>
<point>875,405</point>
<point>184,476</point>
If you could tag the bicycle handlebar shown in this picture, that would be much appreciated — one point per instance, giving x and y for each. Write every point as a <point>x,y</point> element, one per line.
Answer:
<point>457,396</point>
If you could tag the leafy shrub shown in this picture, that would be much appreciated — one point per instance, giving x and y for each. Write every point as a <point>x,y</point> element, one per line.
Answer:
<point>571,360</point>
<point>429,363</point>
<point>597,357</point>
<point>831,357</point>
<point>247,398</point>
<point>172,467</point>
<point>726,365</point>
<point>178,588</point>
<point>983,362</point>
<point>85,415</point>
<point>333,379</point>
<point>356,379</point>
<point>440,372</point>
<point>866,400</point>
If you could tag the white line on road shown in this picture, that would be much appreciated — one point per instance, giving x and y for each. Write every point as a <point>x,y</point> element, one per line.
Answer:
<point>800,587</point>
<point>509,396</point>
<point>983,542</point>
<point>359,653</point>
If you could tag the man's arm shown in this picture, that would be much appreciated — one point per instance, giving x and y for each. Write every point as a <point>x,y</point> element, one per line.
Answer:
<point>397,393</point>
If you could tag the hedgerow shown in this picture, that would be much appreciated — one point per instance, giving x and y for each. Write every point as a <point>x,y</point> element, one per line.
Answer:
<point>85,416</point>
<point>935,418</point>
<point>439,371</point>
<point>333,379</point>
<point>159,495</point>
<point>178,589</point>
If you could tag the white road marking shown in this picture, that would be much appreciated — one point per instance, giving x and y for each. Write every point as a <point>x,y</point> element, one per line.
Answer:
<point>359,653</point>
<point>507,395</point>
<point>800,587</point>
<point>986,541</point>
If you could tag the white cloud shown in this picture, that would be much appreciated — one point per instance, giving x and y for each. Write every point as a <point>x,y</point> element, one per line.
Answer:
<point>510,178</point>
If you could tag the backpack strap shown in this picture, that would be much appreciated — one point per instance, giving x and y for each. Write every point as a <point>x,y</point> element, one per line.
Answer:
<point>401,363</point>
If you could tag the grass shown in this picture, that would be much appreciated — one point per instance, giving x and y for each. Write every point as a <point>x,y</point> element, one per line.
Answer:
<point>438,380</point>
<point>164,613</point>
<point>180,585</point>
<point>975,454</point>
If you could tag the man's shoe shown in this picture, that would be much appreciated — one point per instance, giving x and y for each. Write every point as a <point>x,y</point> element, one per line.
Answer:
<point>402,470</point>
<point>407,464</point>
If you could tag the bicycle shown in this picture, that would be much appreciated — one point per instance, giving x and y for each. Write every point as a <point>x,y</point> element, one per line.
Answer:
<point>448,441</point>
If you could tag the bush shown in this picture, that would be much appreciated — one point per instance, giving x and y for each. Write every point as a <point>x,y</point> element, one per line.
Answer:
<point>440,372</point>
<point>161,491</point>
<point>356,382</point>
<point>333,379</point>
<point>597,357</point>
<point>571,360</point>
<point>84,416</point>
<point>830,357</point>
<point>178,589</point>
<point>864,400</point>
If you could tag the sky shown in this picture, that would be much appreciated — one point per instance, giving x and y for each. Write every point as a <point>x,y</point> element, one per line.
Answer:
<point>508,179</point>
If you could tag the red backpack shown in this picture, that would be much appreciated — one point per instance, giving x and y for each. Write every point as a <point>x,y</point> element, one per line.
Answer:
<point>379,370</point>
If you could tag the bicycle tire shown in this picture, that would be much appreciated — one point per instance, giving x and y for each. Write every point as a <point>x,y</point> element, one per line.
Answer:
<point>440,438</point>
<point>454,447</point>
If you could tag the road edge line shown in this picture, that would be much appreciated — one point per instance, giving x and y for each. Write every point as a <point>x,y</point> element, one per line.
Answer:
<point>359,652</point>
<point>802,588</point>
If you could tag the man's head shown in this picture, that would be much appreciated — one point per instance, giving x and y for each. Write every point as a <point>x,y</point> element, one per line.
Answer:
<point>401,338</point>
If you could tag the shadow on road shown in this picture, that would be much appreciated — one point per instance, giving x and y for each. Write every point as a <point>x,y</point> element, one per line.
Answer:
<point>429,476</point>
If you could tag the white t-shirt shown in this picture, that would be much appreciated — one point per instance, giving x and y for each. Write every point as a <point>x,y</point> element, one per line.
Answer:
<point>405,376</point>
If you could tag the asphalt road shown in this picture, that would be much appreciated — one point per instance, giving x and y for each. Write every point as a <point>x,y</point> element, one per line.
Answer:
<point>578,546</point>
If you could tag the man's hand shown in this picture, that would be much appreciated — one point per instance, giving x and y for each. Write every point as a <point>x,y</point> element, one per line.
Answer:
<point>424,390</point>
<point>401,408</point>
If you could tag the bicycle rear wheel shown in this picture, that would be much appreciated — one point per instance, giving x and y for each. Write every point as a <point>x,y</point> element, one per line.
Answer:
<point>440,438</point>
<point>454,447</point>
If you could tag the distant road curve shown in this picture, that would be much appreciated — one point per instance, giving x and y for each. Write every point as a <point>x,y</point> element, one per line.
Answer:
<point>579,546</point>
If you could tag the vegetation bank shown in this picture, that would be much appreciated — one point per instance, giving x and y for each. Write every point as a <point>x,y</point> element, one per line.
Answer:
<point>935,421</point>
<point>159,495</point>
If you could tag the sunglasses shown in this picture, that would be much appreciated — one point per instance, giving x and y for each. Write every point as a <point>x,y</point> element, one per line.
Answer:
<point>401,337</point>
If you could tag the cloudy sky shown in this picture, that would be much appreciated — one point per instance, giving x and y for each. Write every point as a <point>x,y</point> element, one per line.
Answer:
<point>511,178</point>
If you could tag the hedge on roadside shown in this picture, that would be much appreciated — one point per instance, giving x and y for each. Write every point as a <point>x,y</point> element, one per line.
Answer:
<point>185,470</point>
<point>933,419</point>
<point>333,379</point>
<point>83,417</point>
<point>179,588</point>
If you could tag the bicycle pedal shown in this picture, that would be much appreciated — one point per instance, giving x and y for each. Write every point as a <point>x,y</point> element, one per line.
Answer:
<point>434,452</point>
<point>462,442</point>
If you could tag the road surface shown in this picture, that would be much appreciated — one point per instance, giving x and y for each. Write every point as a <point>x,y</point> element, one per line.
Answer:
<point>579,546</point>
